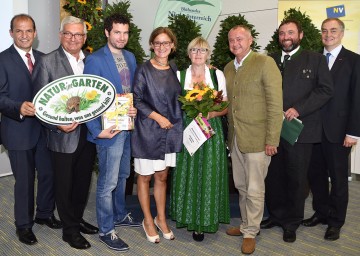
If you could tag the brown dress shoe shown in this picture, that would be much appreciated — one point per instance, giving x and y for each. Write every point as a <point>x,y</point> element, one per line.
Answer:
<point>248,245</point>
<point>233,231</point>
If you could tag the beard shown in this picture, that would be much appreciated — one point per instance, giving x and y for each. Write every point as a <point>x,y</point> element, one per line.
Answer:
<point>288,48</point>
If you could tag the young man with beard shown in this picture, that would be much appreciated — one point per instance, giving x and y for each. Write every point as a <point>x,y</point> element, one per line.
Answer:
<point>341,130</point>
<point>307,86</point>
<point>117,65</point>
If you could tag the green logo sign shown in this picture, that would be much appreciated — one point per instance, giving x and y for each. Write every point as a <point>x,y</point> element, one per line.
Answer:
<point>204,12</point>
<point>76,98</point>
<point>194,2</point>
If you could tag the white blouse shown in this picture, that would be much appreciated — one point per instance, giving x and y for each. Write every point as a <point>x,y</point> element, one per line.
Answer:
<point>220,79</point>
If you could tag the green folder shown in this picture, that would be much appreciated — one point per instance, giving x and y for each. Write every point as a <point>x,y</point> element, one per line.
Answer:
<point>291,130</point>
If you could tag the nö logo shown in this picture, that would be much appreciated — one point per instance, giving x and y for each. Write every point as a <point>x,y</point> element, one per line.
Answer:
<point>335,11</point>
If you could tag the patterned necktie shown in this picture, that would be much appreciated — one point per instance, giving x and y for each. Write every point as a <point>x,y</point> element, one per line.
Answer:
<point>30,64</point>
<point>328,57</point>
<point>286,58</point>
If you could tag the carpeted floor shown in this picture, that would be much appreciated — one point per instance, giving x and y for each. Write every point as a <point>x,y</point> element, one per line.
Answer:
<point>309,240</point>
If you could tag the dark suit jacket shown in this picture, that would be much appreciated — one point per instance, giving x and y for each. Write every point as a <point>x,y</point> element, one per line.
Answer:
<point>307,86</point>
<point>15,87</point>
<point>341,115</point>
<point>50,67</point>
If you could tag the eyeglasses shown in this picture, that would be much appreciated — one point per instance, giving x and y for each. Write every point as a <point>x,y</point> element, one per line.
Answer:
<point>69,35</point>
<point>196,50</point>
<point>158,44</point>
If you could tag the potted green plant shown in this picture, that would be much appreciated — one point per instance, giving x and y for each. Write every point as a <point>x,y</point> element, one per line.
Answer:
<point>185,30</point>
<point>312,35</point>
<point>94,15</point>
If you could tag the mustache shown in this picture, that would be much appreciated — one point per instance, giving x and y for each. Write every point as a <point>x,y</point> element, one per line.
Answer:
<point>288,48</point>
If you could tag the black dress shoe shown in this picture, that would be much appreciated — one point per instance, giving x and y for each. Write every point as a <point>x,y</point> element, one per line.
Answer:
<point>198,236</point>
<point>87,228</point>
<point>313,221</point>
<point>332,233</point>
<point>77,241</point>
<point>268,223</point>
<point>26,236</point>
<point>289,236</point>
<point>51,222</point>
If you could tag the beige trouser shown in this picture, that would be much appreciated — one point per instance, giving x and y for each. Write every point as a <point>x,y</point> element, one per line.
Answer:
<point>249,172</point>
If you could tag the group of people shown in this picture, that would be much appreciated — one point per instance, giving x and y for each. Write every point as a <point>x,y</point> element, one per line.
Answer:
<point>323,93</point>
<point>261,90</point>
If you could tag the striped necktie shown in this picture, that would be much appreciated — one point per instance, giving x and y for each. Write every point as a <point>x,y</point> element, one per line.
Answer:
<point>30,64</point>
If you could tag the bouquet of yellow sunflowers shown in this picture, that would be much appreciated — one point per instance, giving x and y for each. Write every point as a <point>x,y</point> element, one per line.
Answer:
<point>202,99</point>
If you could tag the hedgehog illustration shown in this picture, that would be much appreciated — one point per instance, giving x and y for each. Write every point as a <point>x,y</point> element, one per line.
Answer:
<point>73,104</point>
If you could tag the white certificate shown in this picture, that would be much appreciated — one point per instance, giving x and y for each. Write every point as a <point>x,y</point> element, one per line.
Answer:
<point>196,133</point>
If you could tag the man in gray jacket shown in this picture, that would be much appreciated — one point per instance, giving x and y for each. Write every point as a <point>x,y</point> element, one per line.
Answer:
<point>72,154</point>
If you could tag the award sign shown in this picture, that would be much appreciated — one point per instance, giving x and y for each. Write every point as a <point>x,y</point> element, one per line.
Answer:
<point>76,98</point>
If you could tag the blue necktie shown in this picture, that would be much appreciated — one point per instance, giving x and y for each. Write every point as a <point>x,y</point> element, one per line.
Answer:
<point>328,57</point>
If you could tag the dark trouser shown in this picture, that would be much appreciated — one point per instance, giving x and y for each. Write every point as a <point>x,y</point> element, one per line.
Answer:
<point>330,160</point>
<point>23,165</point>
<point>72,181</point>
<point>285,184</point>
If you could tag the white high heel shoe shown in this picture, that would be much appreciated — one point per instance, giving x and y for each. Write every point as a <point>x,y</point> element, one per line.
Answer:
<point>168,236</point>
<point>152,239</point>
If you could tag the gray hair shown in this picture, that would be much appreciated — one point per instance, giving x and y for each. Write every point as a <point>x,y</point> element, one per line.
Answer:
<point>72,20</point>
<point>340,22</point>
<point>246,28</point>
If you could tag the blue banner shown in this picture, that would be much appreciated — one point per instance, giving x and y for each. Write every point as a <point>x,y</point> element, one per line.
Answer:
<point>335,11</point>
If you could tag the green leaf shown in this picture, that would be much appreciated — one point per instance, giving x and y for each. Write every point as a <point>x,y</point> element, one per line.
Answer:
<point>96,37</point>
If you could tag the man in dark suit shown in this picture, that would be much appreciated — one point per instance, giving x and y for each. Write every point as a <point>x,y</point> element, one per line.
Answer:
<point>341,129</point>
<point>307,86</point>
<point>73,156</point>
<point>22,134</point>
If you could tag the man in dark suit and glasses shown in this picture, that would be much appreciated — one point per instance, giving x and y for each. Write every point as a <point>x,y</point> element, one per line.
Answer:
<point>307,86</point>
<point>72,154</point>
<point>23,135</point>
<point>340,131</point>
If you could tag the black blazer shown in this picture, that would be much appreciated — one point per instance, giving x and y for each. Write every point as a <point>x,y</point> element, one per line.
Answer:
<point>341,115</point>
<point>307,86</point>
<point>15,87</point>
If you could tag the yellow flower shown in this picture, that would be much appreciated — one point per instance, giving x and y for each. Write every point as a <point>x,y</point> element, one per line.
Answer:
<point>91,95</point>
<point>99,8</point>
<point>64,97</point>
<point>89,49</point>
<point>82,1</point>
<point>191,95</point>
<point>88,26</point>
